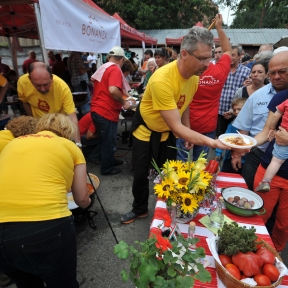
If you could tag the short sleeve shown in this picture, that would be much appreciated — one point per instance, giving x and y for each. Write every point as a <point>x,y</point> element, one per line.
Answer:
<point>21,90</point>
<point>68,103</point>
<point>115,77</point>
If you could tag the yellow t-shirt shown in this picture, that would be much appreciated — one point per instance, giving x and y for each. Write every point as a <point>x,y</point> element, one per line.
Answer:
<point>36,171</point>
<point>5,137</point>
<point>58,100</point>
<point>166,90</point>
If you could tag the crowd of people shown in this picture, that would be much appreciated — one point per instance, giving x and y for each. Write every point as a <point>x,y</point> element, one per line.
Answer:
<point>191,97</point>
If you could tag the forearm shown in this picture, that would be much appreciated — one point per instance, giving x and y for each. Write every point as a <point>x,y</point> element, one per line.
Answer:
<point>185,119</point>
<point>27,108</point>
<point>117,95</point>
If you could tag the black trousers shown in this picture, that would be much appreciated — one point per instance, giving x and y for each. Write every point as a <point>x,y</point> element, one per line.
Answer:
<point>140,188</point>
<point>222,125</point>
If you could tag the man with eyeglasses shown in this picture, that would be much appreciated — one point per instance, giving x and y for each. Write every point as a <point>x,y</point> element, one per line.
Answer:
<point>252,117</point>
<point>42,92</point>
<point>163,114</point>
<point>204,107</point>
<point>236,77</point>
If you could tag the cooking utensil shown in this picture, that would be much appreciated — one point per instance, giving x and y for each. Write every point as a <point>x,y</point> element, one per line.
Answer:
<point>257,209</point>
<point>212,25</point>
<point>247,141</point>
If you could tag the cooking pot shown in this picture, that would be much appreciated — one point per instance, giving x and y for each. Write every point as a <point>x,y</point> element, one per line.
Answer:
<point>257,209</point>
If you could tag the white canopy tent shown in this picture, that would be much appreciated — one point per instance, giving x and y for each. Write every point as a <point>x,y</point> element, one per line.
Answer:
<point>73,25</point>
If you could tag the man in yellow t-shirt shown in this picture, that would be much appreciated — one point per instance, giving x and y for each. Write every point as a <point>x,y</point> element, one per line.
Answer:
<point>164,114</point>
<point>43,93</point>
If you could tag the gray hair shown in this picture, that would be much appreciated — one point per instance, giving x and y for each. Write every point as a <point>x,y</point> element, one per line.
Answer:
<point>238,47</point>
<point>265,55</point>
<point>197,35</point>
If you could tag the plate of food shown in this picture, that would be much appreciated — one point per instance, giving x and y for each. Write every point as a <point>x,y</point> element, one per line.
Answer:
<point>235,141</point>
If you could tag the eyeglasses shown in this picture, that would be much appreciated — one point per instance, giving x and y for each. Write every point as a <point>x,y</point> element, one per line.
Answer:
<point>203,61</point>
<point>280,72</point>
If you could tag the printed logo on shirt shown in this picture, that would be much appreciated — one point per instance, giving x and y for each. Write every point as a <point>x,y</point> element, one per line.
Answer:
<point>262,103</point>
<point>43,105</point>
<point>181,101</point>
<point>208,80</point>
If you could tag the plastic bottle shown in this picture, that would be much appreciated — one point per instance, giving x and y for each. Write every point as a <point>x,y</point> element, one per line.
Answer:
<point>217,216</point>
<point>173,214</point>
<point>191,234</point>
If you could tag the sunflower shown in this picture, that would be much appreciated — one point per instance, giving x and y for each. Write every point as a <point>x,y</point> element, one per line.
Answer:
<point>176,165</point>
<point>163,189</point>
<point>189,203</point>
<point>182,180</point>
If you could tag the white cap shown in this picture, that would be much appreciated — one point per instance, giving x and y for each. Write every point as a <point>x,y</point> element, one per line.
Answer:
<point>117,51</point>
<point>280,49</point>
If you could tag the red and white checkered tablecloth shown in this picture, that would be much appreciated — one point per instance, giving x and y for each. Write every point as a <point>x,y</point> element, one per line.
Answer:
<point>223,180</point>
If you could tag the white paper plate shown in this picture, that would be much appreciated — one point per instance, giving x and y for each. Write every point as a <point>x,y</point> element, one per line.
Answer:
<point>71,204</point>
<point>224,136</point>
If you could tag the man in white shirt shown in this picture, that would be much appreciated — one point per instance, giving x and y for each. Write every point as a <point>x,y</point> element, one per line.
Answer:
<point>92,58</point>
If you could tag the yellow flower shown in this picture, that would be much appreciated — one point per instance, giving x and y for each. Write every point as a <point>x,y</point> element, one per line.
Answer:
<point>182,179</point>
<point>163,189</point>
<point>173,164</point>
<point>200,164</point>
<point>189,203</point>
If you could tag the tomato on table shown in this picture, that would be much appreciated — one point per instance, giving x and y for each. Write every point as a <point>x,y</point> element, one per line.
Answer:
<point>271,272</point>
<point>233,270</point>
<point>262,280</point>
<point>225,259</point>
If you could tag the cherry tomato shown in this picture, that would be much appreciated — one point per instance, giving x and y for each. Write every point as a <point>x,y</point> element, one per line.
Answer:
<point>262,280</point>
<point>271,272</point>
<point>258,243</point>
<point>234,271</point>
<point>225,259</point>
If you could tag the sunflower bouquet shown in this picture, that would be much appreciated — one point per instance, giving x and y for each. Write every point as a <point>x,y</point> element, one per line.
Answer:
<point>185,183</point>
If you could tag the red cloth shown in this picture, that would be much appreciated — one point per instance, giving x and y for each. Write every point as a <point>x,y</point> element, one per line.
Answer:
<point>102,103</point>
<point>85,124</point>
<point>283,108</point>
<point>27,63</point>
<point>205,104</point>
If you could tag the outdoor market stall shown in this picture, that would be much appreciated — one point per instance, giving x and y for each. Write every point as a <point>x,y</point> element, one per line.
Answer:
<point>223,180</point>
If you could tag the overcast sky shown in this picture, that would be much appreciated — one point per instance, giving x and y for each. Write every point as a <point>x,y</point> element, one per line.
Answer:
<point>227,19</point>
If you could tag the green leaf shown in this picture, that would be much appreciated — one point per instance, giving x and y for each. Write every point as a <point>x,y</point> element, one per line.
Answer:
<point>124,275</point>
<point>203,275</point>
<point>184,282</point>
<point>121,250</point>
<point>171,272</point>
<point>147,272</point>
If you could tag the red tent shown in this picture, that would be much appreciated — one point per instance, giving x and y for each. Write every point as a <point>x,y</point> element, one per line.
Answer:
<point>129,33</point>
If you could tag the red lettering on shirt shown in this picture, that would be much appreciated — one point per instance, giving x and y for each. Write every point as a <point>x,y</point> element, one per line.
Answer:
<point>181,101</point>
<point>43,105</point>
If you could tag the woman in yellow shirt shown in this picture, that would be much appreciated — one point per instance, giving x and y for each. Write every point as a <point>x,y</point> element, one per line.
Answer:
<point>37,234</point>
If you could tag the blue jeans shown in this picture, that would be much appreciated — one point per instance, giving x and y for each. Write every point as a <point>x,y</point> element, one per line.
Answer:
<point>107,132</point>
<point>86,107</point>
<point>197,149</point>
<point>91,149</point>
<point>32,253</point>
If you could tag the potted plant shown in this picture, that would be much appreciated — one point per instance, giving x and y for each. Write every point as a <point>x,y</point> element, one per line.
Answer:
<point>157,262</point>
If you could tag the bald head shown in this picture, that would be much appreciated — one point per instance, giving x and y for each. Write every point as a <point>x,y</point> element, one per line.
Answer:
<point>41,77</point>
<point>265,47</point>
<point>278,71</point>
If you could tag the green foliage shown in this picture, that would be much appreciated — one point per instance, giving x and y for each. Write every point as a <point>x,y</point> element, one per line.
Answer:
<point>258,13</point>
<point>167,270</point>
<point>161,14</point>
<point>234,238</point>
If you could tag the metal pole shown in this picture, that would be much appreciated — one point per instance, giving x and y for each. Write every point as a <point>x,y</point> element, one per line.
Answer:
<point>40,32</point>
<point>13,53</point>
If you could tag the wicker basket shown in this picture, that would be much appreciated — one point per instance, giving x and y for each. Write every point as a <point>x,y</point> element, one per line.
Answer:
<point>231,282</point>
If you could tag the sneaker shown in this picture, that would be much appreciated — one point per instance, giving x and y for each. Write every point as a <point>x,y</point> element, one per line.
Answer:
<point>131,216</point>
<point>112,172</point>
<point>263,187</point>
<point>118,162</point>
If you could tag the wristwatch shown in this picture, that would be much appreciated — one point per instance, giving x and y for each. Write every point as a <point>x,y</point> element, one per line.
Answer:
<point>78,144</point>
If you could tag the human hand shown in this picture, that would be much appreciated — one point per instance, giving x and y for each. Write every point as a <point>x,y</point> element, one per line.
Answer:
<point>236,163</point>
<point>218,144</point>
<point>126,105</point>
<point>271,134</point>
<point>188,145</point>
<point>281,136</point>
<point>228,115</point>
<point>237,153</point>
<point>218,21</point>
<point>247,82</point>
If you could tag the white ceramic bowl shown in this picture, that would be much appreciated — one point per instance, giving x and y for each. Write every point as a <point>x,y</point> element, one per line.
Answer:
<point>224,136</point>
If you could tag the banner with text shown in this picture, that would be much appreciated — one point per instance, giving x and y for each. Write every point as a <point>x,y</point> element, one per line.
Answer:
<point>73,25</point>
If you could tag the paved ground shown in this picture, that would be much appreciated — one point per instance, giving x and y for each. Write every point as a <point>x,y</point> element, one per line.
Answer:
<point>97,265</point>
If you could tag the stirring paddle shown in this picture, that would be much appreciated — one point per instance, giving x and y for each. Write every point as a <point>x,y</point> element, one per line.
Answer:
<point>246,140</point>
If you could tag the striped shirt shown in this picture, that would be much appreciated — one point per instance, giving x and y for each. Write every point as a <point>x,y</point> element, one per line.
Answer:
<point>234,81</point>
